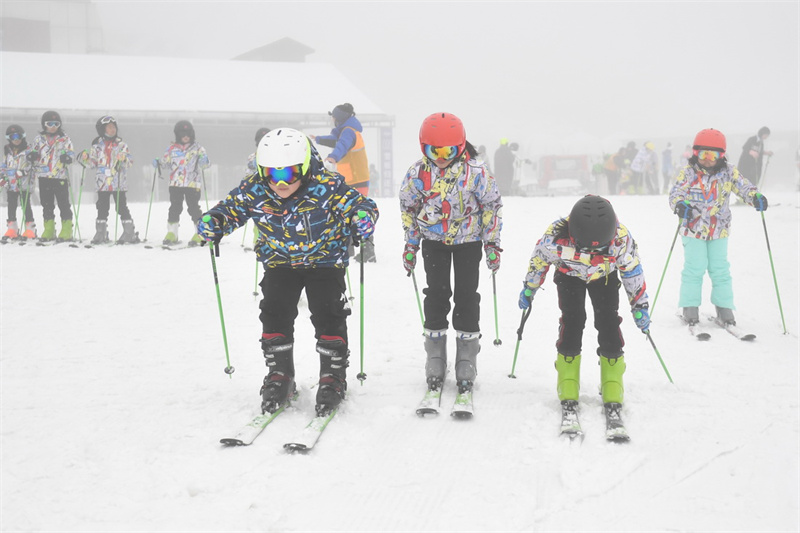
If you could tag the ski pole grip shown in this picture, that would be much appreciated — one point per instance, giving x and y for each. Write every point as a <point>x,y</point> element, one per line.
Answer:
<point>528,292</point>
<point>362,214</point>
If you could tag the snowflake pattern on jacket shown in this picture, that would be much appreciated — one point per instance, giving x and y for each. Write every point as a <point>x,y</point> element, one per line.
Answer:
<point>307,230</point>
<point>50,149</point>
<point>16,170</point>
<point>557,248</point>
<point>709,195</point>
<point>112,159</point>
<point>455,205</point>
<point>185,163</point>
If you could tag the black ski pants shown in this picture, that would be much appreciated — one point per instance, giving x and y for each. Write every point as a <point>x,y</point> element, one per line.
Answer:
<point>325,292</point>
<point>13,202</point>
<point>176,198</point>
<point>52,191</point>
<point>465,260</point>
<point>604,294</point>
<point>104,204</point>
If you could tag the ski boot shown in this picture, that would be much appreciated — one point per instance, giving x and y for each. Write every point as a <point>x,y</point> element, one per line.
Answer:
<point>196,240</point>
<point>30,230</point>
<point>129,233</point>
<point>333,354</point>
<point>13,231</point>
<point>49,233</point>
<point>467,348</point>
<point>691,315</point>
<point>436,362</point>
<point>611,371</point>
<point>725,316</point>
<point>568,368</point>
<point>172,234</point>
<point>101,232</point>
<point>367,252</point>
<point>66,231</point>
<point>279,386</point>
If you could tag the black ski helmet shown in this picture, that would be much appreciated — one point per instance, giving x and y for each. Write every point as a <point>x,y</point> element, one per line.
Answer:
<point>15,128</point>
<point>182,129</point>
<point>51,116</point>
<point>102,122</point>
<point>260,134</point>
<point>592,222</point>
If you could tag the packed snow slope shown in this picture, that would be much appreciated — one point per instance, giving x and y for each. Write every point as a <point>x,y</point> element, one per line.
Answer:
<point>114,397</point>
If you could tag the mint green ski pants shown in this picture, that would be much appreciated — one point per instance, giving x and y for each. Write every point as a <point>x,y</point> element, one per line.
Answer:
<point>700,256</point>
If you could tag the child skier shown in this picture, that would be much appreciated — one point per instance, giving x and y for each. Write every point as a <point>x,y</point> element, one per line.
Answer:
<point>305,215</point>
<point>588,248</point>
<point>51,154</point>
<point>451,207</point>
<point>19,182</point>
<point>110,156</point>
<point>185,159</point>
<point>700,197</point>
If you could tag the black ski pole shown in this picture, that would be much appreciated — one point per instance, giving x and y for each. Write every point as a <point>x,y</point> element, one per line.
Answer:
<point>525,314</point>
<point>357,243</point>
<point>214,249</point>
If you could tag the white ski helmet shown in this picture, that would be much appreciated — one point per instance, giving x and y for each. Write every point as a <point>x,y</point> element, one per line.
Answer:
<point>283,147</point>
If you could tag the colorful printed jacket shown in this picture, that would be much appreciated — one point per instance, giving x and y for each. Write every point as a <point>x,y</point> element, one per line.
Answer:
<point>16,170</point>
<point>185,163</point>
<point>645,161</point>
<point>556,247</point>
<point>709,195</point>
<point>50,149</point>
<point>308,230</point>
<point>112,159</point>
<point>251,164</point>
<point>456,205</point>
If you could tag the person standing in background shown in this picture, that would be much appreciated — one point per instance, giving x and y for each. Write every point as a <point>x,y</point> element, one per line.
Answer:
<point>504,159</point>
<point>751,162</point>
<point>16,175</point>
<point>667,169</point>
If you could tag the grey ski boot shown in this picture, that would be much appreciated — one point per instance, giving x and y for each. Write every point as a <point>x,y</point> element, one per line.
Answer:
<point>101,232</point>
<point>129,233</point>
<point>467,348</point>
<point>691,315</point>
<point>279,384</point>
<point>725,316</point>
<point>436,362</point>
<point>333,355</point>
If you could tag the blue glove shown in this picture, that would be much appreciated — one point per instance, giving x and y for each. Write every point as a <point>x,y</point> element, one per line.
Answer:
<point>642,318</point>
<point>760,202</point>
<point>526,296</point>
<point>155,163</point>
<point>492,252</point>
<point>684,210</point>
<point>364,224</point>
<point>210,228</point>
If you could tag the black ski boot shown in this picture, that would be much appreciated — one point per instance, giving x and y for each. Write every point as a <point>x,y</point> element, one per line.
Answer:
<point>436,358</point>
<point>467,348</point>
<point>101,232</point>
<point>333,354</point>
<point>279,386</point>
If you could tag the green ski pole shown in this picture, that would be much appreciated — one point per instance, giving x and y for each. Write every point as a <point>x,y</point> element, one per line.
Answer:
<point>156,170</point>
<point>497,341</point>
<point>255,287</point>
<point>214,249</point>
<point>675,238</point>
<point>419,304</point>
<point>658,354</point>
<point>357,242</point>
<point>772,265</point>
<point>525,314</point>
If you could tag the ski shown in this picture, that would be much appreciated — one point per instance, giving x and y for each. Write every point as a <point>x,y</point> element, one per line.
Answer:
<point>430,403</point>
<point>615,429</point>
<point>463,408</point>
<point>734,330</point>
<point>51,242</point>
<point>248,433</point>
<point>694,330</point>
<point>311,433</point>
<point>570,425</point>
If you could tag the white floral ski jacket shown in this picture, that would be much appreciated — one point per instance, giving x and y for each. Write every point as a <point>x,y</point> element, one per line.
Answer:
<point>112,159</point>
<point>185,163</point>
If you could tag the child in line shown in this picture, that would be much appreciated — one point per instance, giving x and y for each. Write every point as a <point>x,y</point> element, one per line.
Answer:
<point>17,178</point>
<point>305,215</point>
<point>111,157</point>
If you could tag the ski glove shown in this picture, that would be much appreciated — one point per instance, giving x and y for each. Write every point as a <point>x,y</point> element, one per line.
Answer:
<point>760,202</point>
<point>492,256</point>
<point>410,257</point>
<point>642,318</point>
<point>155,163</point>
<point>364,224</point>
<point>210,228</point>
<point>526,296</point>
<point>32,156</point>
<point>66,159</point>
<point>684,210</point>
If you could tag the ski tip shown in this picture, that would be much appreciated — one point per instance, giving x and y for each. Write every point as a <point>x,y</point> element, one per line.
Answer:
<point>232,442</point>
<point>422,412</point>
<point>461,415</point>
<point>748,337</point>
<point>619,438</point>
<point>296,447</point>
<point>703,336</point>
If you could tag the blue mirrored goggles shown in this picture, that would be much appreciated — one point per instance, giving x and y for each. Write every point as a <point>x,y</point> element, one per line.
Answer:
<point>440,152</point>
<point>15,136</point>
<point>277,175</point>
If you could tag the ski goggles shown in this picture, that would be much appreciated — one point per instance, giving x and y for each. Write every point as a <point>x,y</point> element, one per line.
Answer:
<point>708,155</point>
<point>15,136</point>
<point>440,152</point>
<point>594,249</point>
<point>107,120</point>
<point>285,175</point>
<point>52,124</point>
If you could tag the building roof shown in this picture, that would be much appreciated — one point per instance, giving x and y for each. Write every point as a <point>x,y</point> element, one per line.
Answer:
<point>285,49</point>
<point>106,83</point>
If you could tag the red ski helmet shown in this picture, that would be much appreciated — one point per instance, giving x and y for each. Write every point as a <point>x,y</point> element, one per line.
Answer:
<point>710,138</point>
<point>443,129</point>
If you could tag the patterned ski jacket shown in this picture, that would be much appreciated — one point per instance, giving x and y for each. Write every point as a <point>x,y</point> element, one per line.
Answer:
<point>645,161</point>
<point>112,159</point>
<point>709,195</point>
<point>455,205</point>
<point>308,230</point>
<point>16,170</point>
<point>185,163</point>
<point>557,248</point>
<point>50,149</point>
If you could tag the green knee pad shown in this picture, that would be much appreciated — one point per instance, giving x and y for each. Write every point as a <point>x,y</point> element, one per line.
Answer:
<point>569,376</point>
<point>611,371</point>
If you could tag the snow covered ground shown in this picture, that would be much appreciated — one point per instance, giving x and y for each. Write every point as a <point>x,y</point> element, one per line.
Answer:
<point>114,398</point>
